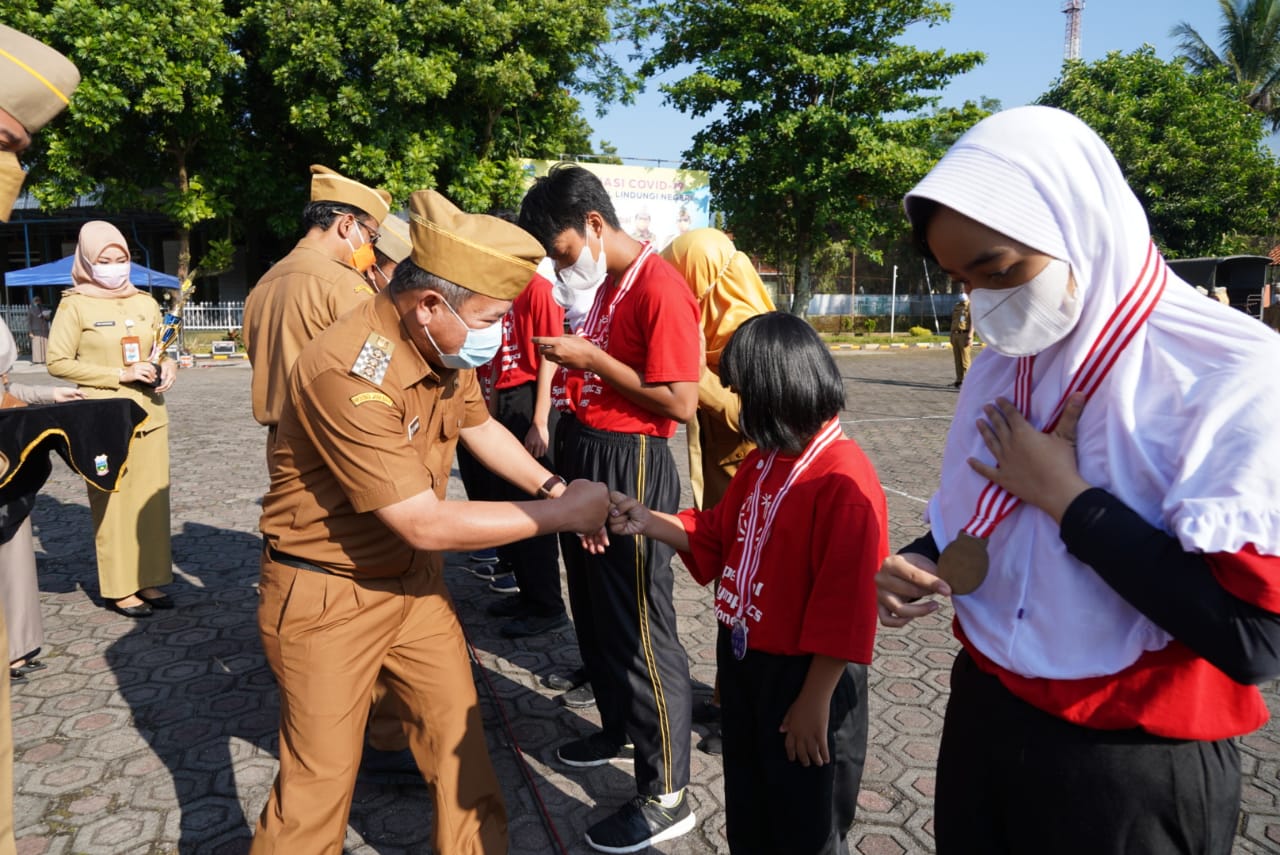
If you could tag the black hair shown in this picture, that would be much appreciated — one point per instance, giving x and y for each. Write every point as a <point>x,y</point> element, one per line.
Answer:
<point>410,277</point>
<point>321,215</point>
<point>787,380</point>
<point>561,200</point>
<point>922,213</point>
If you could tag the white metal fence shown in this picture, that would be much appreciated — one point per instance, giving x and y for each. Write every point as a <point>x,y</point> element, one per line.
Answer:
<point>195,316</point>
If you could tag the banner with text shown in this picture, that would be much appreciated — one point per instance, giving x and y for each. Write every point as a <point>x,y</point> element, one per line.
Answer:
<point>653,203</point>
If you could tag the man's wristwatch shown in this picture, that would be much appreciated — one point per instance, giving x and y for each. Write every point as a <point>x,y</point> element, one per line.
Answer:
<point>544,492</point>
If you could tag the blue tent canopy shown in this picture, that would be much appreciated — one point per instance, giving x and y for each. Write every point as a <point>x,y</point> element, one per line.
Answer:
<point>59,273</point>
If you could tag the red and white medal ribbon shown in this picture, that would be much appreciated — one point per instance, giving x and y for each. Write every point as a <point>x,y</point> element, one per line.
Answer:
<point>596,329</point>
<point>994,503</point>
<point>759,523</point>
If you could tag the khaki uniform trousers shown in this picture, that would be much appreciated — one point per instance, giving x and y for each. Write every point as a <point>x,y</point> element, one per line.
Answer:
<point>962,352</point>
<point>328,639</point>
<point>7,844</point>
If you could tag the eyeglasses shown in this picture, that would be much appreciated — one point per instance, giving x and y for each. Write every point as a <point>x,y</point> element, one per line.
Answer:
<point>370,231</point>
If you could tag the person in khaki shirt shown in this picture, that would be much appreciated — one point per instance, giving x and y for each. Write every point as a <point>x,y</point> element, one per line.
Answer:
<point>36,83</point>
<point>961,338</point>
<point>322,278</point>
<point>356,519</point>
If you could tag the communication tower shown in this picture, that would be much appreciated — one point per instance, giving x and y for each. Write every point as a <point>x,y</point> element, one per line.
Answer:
<point>1074,9</point>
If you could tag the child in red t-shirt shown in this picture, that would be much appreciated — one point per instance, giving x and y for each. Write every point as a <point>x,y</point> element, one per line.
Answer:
<point>795,544</point>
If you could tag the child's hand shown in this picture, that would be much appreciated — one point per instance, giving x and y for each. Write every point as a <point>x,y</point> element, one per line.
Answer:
<point>596,543</point>
<point>627,515</point>
<point>805,725</point>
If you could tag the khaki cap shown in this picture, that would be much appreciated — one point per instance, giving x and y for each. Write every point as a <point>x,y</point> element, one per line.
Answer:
<point>329,186</point>
<point>393,239</point>
<point>36,81</point>
<point>481,253</point>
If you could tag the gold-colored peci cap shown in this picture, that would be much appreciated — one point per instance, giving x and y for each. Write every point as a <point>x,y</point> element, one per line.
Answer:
<point>329,186</point>
<point>36,81</point>
<point>393,239</point>
<point>483,254</point>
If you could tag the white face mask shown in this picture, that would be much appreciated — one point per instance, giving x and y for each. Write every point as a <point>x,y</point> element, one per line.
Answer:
<point>587,272</point>
<point>1030,317</point>
<point>111,275</point>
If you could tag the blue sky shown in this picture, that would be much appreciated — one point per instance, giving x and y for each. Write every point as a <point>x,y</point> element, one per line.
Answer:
<point>1023,41</point>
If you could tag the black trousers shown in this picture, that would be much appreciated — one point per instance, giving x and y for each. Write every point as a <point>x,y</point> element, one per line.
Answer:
<point>1013,780</point>
<point>623,610</point>
<point>535,561</point>
<point>772,805</point>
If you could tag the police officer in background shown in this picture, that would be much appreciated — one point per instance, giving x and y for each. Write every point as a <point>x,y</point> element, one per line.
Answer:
<point>356,520</point>
<point>36,83</point>
<point>961,337</point>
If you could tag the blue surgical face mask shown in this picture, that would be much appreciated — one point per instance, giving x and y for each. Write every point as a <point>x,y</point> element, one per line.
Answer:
<point>479,347</point>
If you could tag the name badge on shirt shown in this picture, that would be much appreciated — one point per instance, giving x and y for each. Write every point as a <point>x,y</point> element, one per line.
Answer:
<point>104,323</point>
<point>374,357</point>
<point>414,426</point>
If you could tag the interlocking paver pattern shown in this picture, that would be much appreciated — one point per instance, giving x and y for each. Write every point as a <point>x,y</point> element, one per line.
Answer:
<point>158,736</point>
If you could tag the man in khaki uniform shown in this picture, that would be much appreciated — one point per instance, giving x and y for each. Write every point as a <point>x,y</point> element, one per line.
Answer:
<point>356,520</point>
<point>961,337</point>
<point>322,278</point>
<point>36,83</point>
<point>391,248</point>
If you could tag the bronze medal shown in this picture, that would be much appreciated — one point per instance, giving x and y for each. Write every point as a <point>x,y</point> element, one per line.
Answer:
<point>963,564</point>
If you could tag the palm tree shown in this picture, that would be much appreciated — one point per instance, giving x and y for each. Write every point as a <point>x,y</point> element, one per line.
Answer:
<point>1249,46</point>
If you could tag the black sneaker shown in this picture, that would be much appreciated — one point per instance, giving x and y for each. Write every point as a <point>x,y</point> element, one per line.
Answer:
<point>641,823</point>
<point>712,744</point>
<point>565,682</point>
<point>579,697</point>
<point>508,607</point>
<point>529,625</point>
<point>504,583</point>
<point>594,750</point>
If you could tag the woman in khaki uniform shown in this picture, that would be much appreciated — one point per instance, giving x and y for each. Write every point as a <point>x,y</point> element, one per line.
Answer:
<point>728,291</point>
<point>90,344</point>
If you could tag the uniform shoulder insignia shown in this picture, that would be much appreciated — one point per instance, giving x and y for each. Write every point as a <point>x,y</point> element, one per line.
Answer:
<point>374,357</point>
<point>363,289</point>
<point>366,397</point>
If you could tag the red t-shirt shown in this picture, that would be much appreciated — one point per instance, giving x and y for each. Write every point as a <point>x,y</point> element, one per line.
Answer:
<point>1171,692</point>
<point>654,330</point>
<point>815,588</point>
<point>534,313</point>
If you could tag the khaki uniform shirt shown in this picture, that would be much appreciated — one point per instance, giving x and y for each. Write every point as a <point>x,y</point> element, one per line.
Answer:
<point>300,296</point>
<point>360,431</point>
<point>84,347</point>
<point>960,320</point>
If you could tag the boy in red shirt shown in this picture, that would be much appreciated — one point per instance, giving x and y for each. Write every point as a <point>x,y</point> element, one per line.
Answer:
<point>625,383</point>
<point>795,544</point>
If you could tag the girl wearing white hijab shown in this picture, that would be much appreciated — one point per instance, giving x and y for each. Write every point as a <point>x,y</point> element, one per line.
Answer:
<point>1108,518</point>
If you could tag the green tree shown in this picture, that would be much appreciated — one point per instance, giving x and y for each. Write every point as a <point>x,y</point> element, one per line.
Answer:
<point>1248,46</point>
<point>809,144</point>
<point>1189,146</point>
<point>149,126</point>
<point>406,95</point>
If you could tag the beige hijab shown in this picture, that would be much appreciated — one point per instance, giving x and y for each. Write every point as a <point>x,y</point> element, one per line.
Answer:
<point>722,279</point>
<point>95,237</point>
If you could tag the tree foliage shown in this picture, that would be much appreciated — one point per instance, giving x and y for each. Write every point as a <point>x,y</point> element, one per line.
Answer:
<point>149,127</point>
<point>214,109</point>
<point>430,93</point>
<point>821,113</point>
<point>1189,146</point>
<point>1248,47</point>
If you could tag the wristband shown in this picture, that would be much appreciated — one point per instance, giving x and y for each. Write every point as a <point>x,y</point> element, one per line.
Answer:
<point>544,492</point>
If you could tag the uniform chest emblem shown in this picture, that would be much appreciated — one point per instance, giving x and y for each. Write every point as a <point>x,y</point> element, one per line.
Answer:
<point>374,357</point>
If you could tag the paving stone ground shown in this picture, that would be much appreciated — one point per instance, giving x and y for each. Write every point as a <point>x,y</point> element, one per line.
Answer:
<point>159,736</point>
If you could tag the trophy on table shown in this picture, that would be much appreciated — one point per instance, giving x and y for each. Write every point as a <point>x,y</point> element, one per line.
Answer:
<point>166,332</point>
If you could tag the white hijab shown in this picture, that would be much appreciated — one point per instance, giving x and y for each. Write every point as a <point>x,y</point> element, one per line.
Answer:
<point>1181,430</point>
